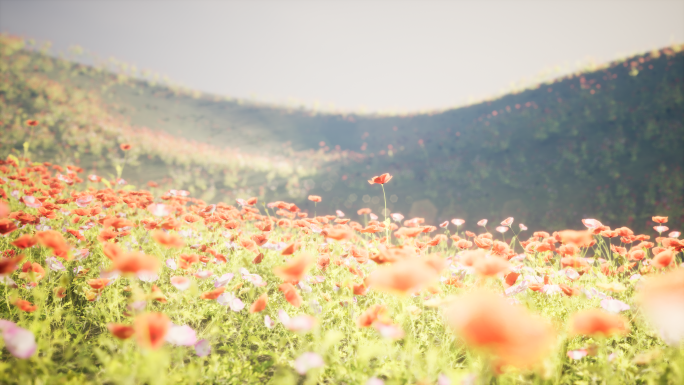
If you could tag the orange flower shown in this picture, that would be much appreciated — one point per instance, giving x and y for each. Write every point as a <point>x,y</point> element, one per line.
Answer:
<point>34,268</point>
<point>406,276</point>
<point>107,234</point>
<point>168,240</point>
<point>122,332</point>
<point>371,315</point>
<point>7,226</point>
<point>660,219</point>
<point>337,234</point>
<point>151,328</point>
<point>597,323</point>
<point>8,265</point>
<point>489,323</point>
<point>260,304</point>
<point>569,290</point>
<point>359,289</point>
<point>60,292</point>
<point>578,238</point>
<point>125,146</point>
<point>291,248</point>
<point>25,305</point>
<point>259,239</point>
<point>54,240</point>
<point>135,262</point>
<point>409,232</point>
<point>291,294</point>
<point>491,266</point>
<point>213,294</point>
<point>382,179</point>
<point>32,122</point>
<point>112,251</point>
<point>314,198</point>
<point>295,268</point>
<point>663,259</point>
<point>25,241</point>
<point>364,211</point>
<point>98,283</point>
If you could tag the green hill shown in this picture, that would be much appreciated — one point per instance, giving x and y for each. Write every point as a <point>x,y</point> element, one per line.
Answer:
<point>606,144</point>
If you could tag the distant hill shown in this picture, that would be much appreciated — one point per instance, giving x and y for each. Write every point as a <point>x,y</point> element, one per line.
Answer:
<point>606,144</point>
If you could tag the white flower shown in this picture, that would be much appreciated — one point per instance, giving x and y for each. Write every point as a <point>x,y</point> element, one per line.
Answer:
<point>308,361</point>
<point>202,348</point>
<point>181,335</point>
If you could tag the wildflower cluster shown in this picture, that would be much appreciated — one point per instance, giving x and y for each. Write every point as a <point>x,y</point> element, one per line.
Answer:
<point>106,285</point>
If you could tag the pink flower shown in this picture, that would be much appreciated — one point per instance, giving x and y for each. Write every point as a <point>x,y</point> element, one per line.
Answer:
<point>457,221</point>
<point>482,222</point>
<point>180,283</point>
<point>202,348</point>
<point>181,335</point>
<point>507,222</point>
<point>308,361</point>
<point>19,341</point>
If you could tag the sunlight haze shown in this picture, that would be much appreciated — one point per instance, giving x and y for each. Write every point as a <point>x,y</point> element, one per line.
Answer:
<point>370,55</point>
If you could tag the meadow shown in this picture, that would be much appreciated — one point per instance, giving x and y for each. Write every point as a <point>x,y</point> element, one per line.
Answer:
<point>107,284</point>
<point>155,234</point>
<point>604,142</point>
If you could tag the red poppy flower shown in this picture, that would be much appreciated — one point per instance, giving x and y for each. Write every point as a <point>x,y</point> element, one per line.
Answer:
<point>107,234</point>
<point>314,198</point>
<point>135,262</point>
<point>295,268</point>
<point>36,269</point>
<point>9,265</point>
<point>597,323</point>
<point>371,315</point>
<point>25,305</point>
<point>382,179</point>
<point>168,240</point>
<point>260,304</point>
<point>490,323</point>
<point>125,146</point>
<point>663,259</point>
<point>60,292</point>
<point>213,294</point>
<point>25,241</point>
<point>122,332</point>
<point>112,251</point>
<point>32,122</point>
<point>7,226</point>
<point>291,294</point>
<point>151,329</point>
<point>660,219</point>
<point>98,283</point>
<point>405,276</point>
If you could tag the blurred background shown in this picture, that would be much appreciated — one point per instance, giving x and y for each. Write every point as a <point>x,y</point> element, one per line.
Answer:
<point>549,112</point>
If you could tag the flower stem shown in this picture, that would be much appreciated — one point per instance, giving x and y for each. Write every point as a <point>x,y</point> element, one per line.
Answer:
<point>385,212</point>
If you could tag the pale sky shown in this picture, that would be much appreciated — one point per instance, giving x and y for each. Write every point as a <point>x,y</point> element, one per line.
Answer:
<point>377,55</point>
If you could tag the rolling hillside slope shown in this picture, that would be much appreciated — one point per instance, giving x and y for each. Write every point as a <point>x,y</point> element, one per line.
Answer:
<point>607,143</point>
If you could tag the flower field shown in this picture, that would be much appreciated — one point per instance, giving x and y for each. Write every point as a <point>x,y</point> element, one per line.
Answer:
<point>107,284</point>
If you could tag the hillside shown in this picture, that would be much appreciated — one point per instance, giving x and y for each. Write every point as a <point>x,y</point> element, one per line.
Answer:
<point>605,143</point>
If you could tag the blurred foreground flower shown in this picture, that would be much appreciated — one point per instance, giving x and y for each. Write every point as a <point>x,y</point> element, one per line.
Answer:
<point>489,323</point>
<point>19,341</point>
<point>662,298</point>
<point>308,361</point>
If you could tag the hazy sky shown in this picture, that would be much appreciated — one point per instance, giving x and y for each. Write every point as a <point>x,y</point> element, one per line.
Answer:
<point>381,55</point>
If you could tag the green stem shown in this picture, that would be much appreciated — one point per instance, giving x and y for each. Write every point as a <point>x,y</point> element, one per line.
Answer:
<point>385,212</point>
